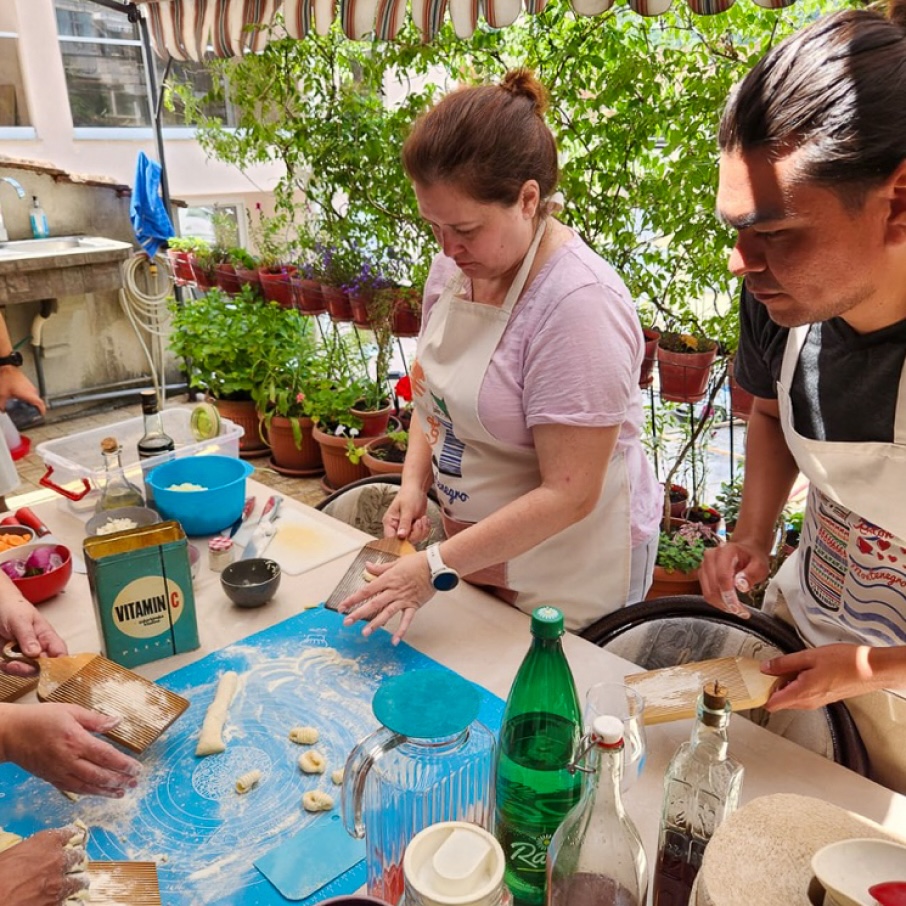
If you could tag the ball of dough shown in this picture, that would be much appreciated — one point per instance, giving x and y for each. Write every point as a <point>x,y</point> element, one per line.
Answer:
<point>317,801</point>
<point>304,736</point>
<point>367,576</point>
<point>337,776</point>
<point>312,762</point>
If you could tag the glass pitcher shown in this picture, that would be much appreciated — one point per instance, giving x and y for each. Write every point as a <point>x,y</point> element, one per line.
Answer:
<point>430,761</point>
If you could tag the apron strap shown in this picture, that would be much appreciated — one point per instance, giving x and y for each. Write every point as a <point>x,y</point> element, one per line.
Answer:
<point>518,284</point>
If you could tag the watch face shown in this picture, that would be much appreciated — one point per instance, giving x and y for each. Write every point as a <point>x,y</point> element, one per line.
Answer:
<point>14,358</point>
<point>446,580</point>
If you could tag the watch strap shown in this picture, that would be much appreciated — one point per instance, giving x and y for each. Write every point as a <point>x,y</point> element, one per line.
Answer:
<point>14,358</point>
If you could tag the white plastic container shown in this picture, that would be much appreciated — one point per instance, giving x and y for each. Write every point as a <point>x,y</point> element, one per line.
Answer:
<point>75,465</point>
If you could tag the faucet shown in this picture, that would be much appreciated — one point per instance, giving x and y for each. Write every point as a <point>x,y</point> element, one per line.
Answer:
<point>4,236</point>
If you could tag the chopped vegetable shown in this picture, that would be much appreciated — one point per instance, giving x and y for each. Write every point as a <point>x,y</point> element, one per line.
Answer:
<point>9,540</point>
<point>186,486</point>
<point>117,525</point>
<point>43,560</point>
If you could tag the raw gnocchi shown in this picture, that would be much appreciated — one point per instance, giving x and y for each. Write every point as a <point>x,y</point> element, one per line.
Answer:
<point>337,776</point>
<point>317,801</point>
<point>304,736</point>
<point>247,781</point>
<point>312,762</point>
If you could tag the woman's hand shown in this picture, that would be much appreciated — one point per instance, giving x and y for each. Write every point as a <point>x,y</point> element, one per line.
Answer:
<point>43,870</point>
<point>57,743</point>
<point>21,622</point>
<point>400,587</point>
<point>406,517</point>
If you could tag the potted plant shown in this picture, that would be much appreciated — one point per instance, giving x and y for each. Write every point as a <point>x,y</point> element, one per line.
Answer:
<point>684,363</point>
<point>646,372</point>
<point>270,238</point>
<point>706,515</point>
<point>202,260</point>
<point>792,530</point>
<point>224,341</point>
<point>179,251</point>
<point>679,555</point>
<point>678,500</point>
<point>386,455</point>
<point>728,499</point>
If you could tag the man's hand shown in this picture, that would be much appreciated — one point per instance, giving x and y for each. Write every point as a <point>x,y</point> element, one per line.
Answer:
<point>817,676</point>
<point>734,566</point>
<point>56,742</point>
<point>14,384</point>
<point>43,870</point>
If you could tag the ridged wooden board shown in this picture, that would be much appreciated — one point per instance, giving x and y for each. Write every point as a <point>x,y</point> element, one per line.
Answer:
<point>118,883</point>
<point>672,692</point>
<point>384,550</point>
<point>146,709</point>
<point>13,687</point>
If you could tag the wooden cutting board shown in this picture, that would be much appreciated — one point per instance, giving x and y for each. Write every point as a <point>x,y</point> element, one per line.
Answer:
<point>671,693</point>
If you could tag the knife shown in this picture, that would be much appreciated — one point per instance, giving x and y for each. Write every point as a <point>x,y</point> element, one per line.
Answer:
<point>264,530</point>
<point>246,512</point>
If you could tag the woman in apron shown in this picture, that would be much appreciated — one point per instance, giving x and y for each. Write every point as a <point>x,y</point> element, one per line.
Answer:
<point>525,383</point>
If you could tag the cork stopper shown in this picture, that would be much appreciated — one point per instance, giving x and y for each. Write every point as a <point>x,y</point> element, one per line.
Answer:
<point>109,445</point>
<point>715,703</point>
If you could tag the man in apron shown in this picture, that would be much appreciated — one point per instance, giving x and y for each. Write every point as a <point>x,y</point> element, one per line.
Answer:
<point>813,179</point>
<point>528,411</point>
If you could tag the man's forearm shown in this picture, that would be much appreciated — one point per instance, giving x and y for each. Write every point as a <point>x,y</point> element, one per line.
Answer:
<point>769,476</point>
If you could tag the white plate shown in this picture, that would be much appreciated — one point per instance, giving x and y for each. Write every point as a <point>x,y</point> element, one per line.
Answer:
<point>847,869</point>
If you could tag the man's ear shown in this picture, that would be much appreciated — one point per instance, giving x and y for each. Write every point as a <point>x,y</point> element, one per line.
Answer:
<point>895,228</point>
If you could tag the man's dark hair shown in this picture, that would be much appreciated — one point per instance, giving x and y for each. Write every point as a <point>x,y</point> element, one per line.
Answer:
<point>836,93</point>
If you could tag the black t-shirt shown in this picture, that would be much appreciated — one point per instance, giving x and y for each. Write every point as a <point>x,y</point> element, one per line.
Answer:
<point>845,384</point>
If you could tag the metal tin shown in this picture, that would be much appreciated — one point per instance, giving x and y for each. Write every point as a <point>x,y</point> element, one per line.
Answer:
<point>141,585</point>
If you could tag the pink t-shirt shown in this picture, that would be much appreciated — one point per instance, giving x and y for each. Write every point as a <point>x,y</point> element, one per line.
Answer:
<point>570,355</point>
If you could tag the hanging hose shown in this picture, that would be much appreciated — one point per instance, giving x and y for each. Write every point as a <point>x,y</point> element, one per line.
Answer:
<point>147,307</point>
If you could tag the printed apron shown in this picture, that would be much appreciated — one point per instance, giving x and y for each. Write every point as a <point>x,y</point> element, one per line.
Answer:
<point>847,580</point>
<point>583,570</point>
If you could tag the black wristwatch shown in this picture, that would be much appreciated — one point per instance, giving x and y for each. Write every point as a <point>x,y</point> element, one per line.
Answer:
<point>14,358</point>
<point>443,577</point>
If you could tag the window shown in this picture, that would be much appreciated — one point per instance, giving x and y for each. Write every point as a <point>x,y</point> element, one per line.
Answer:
<point>219,224</point>
<point>105,72</point>
<point>13,105</point>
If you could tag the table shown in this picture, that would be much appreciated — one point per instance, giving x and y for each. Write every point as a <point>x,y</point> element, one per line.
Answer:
<point>485,640</point>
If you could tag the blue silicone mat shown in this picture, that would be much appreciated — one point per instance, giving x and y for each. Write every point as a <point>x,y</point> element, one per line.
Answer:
<point>185,814</point>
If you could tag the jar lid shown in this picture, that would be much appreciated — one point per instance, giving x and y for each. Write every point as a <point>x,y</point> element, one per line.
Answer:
<point>220,543</point>
<point>204,422</point>
<point>426,704</point>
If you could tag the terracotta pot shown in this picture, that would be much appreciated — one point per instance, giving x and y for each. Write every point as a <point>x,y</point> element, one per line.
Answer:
<point>338,303</point>
<point>304,460</point>
<point>244,414</point>
<point>276,286</point>
<point>249,276</point>
<point>666,583</point>
<point>646,372</point>
<point>684,375</point>
<point>378,466</point>
<point>182,266</point>
<point>338,470</point>
<point>678,507</point>
<point>374,421</point>
<point>406,321</point>
<point>203,277</point>
<point>741,401</point>
<point>359,302</point>
<point>706,515</point>
<point>226,278</point>
<point>309,296</point>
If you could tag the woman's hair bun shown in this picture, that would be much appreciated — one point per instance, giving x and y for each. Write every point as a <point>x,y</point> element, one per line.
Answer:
<point>896,12</point>
<point>522,83</point>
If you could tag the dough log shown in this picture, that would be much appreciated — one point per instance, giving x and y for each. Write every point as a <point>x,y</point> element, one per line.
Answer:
<point>210,741</point>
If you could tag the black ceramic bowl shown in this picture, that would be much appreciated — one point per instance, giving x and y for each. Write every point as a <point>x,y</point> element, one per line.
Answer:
<point>252,582</point>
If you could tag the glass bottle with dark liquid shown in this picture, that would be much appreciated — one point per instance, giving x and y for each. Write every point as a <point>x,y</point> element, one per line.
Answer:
<point>155,441</point>
<point>701,787</point>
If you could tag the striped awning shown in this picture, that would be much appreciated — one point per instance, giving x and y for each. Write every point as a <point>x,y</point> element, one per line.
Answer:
<point>186,29</point>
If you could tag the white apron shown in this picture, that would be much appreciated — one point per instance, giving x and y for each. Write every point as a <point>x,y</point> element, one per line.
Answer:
<point>847,580</point>
<point>583,570</point>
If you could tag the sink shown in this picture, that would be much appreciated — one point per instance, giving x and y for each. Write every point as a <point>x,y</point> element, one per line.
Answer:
<point>56,245</point>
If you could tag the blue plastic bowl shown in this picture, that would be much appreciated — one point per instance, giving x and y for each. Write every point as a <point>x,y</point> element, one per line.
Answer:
<point>201,512</point>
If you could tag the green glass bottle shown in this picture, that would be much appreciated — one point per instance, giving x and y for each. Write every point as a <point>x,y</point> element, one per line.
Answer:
<point>541,729</point>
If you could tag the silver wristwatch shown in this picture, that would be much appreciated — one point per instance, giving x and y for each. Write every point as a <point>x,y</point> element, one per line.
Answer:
<point>443,577</point>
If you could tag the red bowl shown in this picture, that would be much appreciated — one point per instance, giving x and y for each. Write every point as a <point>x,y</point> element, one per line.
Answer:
<point>39,588</point>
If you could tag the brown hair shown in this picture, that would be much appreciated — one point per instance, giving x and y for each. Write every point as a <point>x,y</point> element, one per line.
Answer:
<point>834,91</point>
<point>488,140</point>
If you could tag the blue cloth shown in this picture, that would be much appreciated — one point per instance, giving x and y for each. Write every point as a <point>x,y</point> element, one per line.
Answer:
<point>148,214</point>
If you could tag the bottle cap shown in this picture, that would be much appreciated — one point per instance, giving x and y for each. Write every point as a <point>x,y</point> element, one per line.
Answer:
<point>110,445</point>
<point>149,401</point>
<point>608,730</point>
<point>454,862</point>
<point>204,422</point>
<point>547,622</point>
